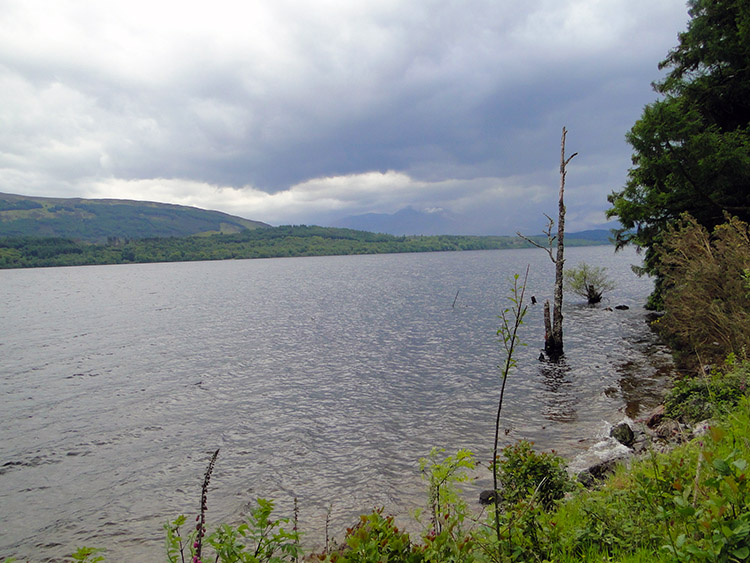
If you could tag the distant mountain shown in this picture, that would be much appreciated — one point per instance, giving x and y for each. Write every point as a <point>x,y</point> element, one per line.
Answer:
<point>407,221</point>
<point>98,220</point>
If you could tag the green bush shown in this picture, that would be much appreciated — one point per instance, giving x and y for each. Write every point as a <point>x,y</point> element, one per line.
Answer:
<point>525,473</point>
<point>696,398</point>
<point>588,281</point>
<point>375,539</point>
<point>705,290</point>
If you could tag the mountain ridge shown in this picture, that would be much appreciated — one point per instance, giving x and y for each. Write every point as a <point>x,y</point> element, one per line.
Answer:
<point>97,220</point>
<point>409,221</point>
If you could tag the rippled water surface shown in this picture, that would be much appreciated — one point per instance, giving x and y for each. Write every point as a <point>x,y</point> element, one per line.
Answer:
<point>323,379</point>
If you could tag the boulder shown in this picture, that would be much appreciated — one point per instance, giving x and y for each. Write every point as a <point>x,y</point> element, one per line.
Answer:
<point>623,434</point>
<point>487,497</point>
<point>598,472</point>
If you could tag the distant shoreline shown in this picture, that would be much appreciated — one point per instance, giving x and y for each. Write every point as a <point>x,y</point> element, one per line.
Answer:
<point>271,242</point>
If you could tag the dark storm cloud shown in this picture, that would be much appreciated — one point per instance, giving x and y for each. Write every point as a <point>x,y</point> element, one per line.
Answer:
<point>291,111</point>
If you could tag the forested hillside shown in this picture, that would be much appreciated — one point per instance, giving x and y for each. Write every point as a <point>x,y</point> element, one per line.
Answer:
<point>99,220</point>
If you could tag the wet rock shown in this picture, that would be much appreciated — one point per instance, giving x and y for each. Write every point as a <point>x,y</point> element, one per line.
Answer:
<point>652,316</point>
<point>487,497</point>
<point>622,307</point>
<point>623,434</point>
<point>598,472</point>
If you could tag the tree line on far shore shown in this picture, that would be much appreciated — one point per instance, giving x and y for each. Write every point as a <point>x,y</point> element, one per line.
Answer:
<point>272,242</point>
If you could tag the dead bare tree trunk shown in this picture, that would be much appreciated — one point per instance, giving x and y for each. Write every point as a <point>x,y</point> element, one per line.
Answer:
<point>553,331</point>
<point>554,346</point>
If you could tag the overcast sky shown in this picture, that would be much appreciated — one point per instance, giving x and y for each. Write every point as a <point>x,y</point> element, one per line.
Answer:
<point>289,111</point>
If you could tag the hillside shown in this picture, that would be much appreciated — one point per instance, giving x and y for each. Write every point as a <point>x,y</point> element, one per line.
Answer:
<point>99,220</point>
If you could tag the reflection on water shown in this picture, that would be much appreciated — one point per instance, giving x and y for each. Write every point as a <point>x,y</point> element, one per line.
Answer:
<point>643,379</point>
<point>324,379</point>
<point>560,402</point>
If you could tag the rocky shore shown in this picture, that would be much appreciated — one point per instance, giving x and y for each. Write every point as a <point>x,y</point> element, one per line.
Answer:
<point>652,433</point>
<point>655,432</point>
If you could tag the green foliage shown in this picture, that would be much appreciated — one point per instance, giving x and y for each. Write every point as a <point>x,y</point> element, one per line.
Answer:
<point>446,539</point>
<point>261,539</point>
<point>511,320</point>
<point>588,281</point>
<point>705,289</point>
<point>271,242</point>
<point>375,539</point>
<point>524,473</point>
<point>689,505</point>
<point>692,147</point>
<point>88,555</point>
<point>709,396</point>
<point>176,544</point>
<point>443,476</point>
<point>18,204</point>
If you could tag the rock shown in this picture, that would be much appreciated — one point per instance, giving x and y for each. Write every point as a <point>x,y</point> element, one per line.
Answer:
<point>596,473</point>
<point>668,429</point>
<point>487,497</point>
<point>702,427</point>
<point>622,307</point>
<point>653,316</point>
<point>655,417</point>
<point>642,443</point>
<point>623,434</point>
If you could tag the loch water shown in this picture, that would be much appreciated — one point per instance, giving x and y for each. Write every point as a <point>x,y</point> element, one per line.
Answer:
<point>324,379</point>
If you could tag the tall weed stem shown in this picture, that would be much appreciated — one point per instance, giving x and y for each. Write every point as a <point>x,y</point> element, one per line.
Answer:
<point>511,319</point>
<point>200,527</point>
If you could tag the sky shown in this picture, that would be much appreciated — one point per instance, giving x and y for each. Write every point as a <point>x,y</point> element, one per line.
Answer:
<point>292,112</point>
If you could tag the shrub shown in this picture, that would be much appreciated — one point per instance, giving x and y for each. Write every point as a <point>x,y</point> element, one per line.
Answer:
<point>588,281</point>
<point>705,289</point>
<point>525,473</point>
<point>374,539</point>
<point>698,398</point>
<point>442,477</point>
<point>446,538</point>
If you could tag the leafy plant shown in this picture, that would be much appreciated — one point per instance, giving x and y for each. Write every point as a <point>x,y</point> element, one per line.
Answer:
<point>588,281</point>
<point>709,395</point>
<point>446,539</point>
<point>442,477</point>
<point>262,539</point>
<point>525,473</point>
<point>511,319</point>
<point>88,555</point>
<point>704,288</point>
<point>176,543</point>
<point>376,539</point>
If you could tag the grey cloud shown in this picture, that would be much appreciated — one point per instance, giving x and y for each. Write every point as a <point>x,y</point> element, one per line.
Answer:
<point>436,90</point>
